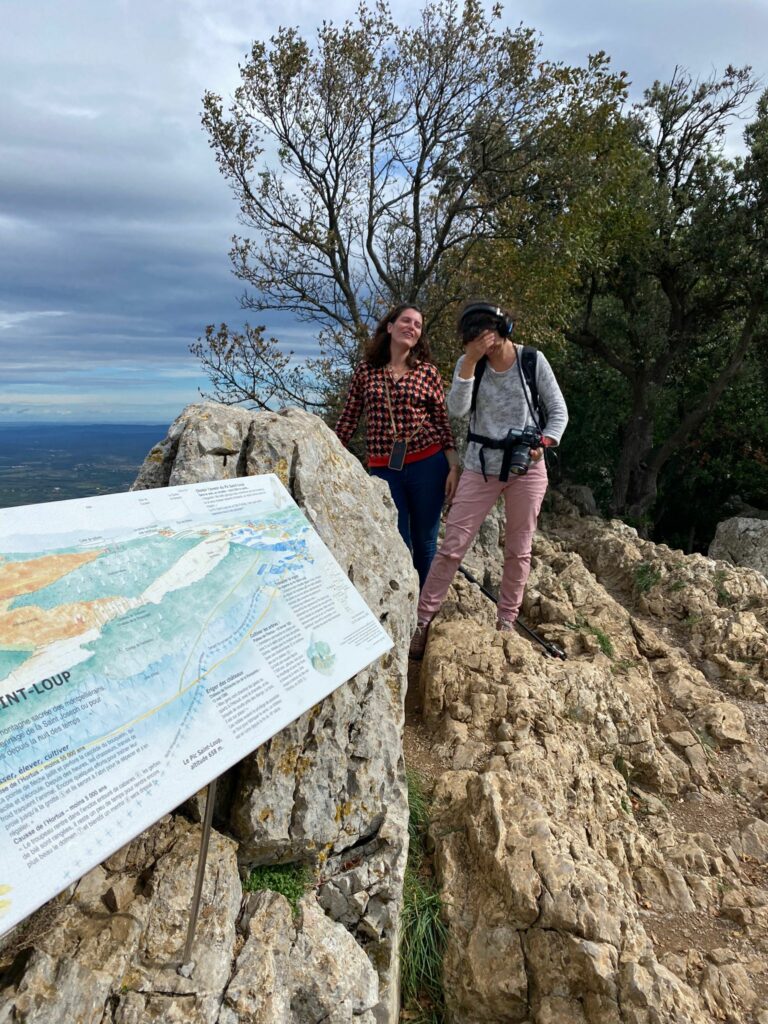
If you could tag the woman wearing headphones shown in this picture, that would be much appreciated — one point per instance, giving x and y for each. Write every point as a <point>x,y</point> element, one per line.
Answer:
<point>505,446</point>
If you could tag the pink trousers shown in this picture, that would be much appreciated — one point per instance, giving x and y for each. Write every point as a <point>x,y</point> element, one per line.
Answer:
<point>474,499</point>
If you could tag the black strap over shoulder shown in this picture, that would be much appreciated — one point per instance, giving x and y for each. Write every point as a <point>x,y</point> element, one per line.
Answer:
<point>479,371</point>
<point>528,364</point>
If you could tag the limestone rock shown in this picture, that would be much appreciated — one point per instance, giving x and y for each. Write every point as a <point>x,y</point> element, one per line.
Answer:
<point>295,970</point>
<point>722,722</point>
<point>542,926</point>
<point>88,955</point>
<point>601,810</point>
<point>720,612</point>
<point>331,782</point>
<point>56,989</point>
<point>742,541</point>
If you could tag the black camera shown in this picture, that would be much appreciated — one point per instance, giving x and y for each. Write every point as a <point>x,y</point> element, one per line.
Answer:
<point>517,449</point>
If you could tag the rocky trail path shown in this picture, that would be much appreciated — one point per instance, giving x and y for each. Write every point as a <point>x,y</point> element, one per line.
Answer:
<point>632,779</point>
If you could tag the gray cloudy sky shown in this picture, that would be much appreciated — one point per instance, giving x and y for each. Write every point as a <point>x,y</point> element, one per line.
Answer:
<point>114,221</point>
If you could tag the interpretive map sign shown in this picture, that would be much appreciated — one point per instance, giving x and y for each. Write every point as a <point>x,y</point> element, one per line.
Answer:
<point>148,641</point>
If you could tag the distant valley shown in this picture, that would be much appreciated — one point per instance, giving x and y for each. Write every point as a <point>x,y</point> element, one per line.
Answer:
<point>50,462</point>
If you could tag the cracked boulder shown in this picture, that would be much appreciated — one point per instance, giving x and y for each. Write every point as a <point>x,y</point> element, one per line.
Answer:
<point>297,967</point>
<point>742,541</point>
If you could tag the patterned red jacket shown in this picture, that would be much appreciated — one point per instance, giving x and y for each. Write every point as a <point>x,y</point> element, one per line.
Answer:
<point>418,396</point>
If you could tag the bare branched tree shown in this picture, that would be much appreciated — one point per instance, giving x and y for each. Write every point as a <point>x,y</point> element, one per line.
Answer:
<point>357,163</point>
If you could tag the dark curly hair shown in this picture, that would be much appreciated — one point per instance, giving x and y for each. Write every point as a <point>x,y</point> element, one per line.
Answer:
<point>378,350</point>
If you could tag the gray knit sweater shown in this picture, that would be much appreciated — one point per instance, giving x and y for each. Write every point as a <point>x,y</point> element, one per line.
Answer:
<point>502,406</point>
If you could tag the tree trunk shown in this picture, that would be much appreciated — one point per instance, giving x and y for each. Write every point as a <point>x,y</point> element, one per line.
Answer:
<point>634,488</point>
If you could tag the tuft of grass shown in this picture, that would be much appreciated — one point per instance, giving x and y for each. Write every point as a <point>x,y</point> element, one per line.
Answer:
<point>604,642</point>
<point>622,666</point>
<point>624,770</point>
<point>709,744</point>
<point>424,938</point>
<point>724,598</point>
<point>424,932</point>
<point>290,880</point>
<point>646,577</point>
<point>418,807</point>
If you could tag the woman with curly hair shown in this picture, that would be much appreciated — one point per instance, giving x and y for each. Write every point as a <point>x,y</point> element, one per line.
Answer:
<point>409,441</point>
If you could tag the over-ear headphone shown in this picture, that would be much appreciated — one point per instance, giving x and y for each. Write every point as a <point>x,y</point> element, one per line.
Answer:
<point>477,311</point>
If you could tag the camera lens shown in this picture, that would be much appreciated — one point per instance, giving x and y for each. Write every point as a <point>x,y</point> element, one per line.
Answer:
<point>521,460</point>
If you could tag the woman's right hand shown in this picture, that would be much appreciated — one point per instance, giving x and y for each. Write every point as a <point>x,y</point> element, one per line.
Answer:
<point>477,348</point>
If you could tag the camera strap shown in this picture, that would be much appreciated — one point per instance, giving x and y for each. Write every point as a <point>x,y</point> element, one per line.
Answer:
<point>416,429</point>
<point>506,444</point>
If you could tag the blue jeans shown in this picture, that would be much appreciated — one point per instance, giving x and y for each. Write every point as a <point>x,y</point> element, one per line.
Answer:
<point>418,491</point>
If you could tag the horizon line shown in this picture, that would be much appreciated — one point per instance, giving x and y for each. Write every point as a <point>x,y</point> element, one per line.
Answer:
<point>83,423</point>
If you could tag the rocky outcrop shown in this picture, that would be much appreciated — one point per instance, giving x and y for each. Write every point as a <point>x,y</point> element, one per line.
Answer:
<point>326,793</point>
<point>742,541</point>
<point>301,966</point>
<point>601,837</point>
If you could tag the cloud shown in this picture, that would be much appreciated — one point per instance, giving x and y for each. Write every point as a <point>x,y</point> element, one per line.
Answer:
<point>9,320</point>
<point>115,223</point>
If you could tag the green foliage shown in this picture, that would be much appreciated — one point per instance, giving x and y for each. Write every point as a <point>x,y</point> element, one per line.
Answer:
<point>597,398</point>
<point>657,281</point>
<point>604,642</point>
<point>624,770</point>
<point>290,880</point>
<point>646,577</point>
<point>424,937</point>
<point>622,666</point>
<point>724,465</point>
<point>676,585</point>
<point>418,811</point>
<point>424,932</point>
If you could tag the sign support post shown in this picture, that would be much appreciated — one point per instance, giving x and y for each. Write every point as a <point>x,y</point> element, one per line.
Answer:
<point>186,968</point>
